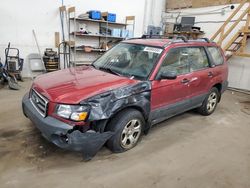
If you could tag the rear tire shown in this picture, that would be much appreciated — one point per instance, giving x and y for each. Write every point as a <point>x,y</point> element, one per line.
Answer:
<point>128,127</point>
<point>210,103</point>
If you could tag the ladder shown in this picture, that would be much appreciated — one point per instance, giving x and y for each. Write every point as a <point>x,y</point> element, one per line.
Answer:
<point>237,44</point>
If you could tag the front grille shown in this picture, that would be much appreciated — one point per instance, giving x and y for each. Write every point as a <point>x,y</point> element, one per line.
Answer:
<point>39,102</point>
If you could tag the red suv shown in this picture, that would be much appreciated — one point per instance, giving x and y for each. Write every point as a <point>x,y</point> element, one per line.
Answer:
<point>136,84</point>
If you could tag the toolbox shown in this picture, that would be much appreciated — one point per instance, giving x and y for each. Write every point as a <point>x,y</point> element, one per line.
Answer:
<point>51,60</point>
<point>94,14</point>
<point>110,17</point>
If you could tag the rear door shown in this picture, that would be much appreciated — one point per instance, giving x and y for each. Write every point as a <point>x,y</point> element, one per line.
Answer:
<point>219,66</point>
<point>170,97</point>
<point>202,75</point>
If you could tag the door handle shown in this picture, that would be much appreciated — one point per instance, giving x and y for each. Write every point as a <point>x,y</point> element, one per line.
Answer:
<point>185,80</point>
<point>210,74</point>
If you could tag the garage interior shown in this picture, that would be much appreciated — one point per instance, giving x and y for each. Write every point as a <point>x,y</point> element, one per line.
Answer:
<point>188,150</point>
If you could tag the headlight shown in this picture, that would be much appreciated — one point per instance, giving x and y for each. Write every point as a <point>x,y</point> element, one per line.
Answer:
<point>72,112</point>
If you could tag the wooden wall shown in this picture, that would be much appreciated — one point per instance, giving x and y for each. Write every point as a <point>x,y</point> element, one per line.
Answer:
<point>177,4</point>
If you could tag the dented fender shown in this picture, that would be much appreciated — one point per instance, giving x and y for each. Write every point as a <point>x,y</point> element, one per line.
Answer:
<point>102,107</point>
<point>105,105</point>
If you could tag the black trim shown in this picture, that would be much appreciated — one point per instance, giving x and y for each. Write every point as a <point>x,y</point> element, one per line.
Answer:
<point>171,110</point>
<point>224,86</point>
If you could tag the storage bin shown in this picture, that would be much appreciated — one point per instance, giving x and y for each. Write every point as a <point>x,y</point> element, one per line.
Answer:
<point>94,14</point>
<point>116,32</point>
<point>124,33</point>
<point>110,17</point>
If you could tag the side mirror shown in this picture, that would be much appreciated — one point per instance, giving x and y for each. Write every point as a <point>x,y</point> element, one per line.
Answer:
<point>170,75</point>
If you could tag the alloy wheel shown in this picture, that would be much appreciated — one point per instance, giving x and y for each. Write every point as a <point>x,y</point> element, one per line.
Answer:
<point>131,134</point>
<point>211,102</point>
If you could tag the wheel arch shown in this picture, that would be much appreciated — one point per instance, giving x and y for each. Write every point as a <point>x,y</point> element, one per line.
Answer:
<point>133,107</point>
<point>219,87</point>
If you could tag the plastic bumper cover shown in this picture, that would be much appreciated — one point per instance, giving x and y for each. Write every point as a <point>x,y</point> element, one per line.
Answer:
<point>57,132</point>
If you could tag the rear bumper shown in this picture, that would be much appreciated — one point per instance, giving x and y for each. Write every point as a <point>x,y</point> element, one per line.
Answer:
<point>57,132</point>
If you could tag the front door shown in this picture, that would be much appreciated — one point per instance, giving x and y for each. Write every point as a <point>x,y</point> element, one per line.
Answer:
<point>170,97</point>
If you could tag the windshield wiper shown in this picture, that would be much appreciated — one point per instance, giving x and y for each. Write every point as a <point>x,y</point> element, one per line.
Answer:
<point>107,69</point>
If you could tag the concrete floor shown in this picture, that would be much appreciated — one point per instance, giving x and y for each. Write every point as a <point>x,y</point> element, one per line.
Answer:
<point>189,151</point>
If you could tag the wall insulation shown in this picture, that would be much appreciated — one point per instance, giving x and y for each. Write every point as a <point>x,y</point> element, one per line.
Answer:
<point>173,4</point>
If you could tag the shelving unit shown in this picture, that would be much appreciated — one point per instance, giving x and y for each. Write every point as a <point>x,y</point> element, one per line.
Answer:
<point>92,39</point>
<point>95,35</point>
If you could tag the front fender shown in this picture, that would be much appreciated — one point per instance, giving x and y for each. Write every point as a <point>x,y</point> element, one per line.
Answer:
<point>105,105</point>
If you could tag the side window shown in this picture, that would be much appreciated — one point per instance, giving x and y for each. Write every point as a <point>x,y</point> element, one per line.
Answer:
<point>197,58</point>
<point>216,55</point>
<point>184,60</point>
<point>176,60</point>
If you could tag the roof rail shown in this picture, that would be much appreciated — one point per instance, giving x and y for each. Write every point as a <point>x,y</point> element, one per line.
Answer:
<point>182,38</point>
<point>205,39</point>
<point>153,37</point>
<point>174,39</point>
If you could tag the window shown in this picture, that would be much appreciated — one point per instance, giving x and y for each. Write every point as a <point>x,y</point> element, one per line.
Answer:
<point>216,55</point>
<point>130,60</point>
<point>184,60</point>
<point>177,61</point>
<point>197,58</point>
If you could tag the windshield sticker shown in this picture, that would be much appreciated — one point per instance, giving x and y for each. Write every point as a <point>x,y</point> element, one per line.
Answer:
<point>153,50</point>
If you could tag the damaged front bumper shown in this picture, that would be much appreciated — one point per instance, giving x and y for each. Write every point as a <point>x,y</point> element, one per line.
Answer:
<point>62,134</point>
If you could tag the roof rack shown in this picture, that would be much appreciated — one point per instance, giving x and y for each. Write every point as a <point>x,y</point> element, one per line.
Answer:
<point>164,37</point>
<point>204,39</point>
<point>182,38</point>
<point>153,37</point>
<point>175,39</point>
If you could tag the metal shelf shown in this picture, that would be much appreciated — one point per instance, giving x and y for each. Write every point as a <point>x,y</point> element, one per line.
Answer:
<point>98,21</point>
<point>96,35</point>
<point>93,50</point>
<point>76,36</point>
<point>80,63</point>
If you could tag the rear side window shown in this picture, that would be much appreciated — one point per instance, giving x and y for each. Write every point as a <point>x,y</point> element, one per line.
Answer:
<point>216,55</point>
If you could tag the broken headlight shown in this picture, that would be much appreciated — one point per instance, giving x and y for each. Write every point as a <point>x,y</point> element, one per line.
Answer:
<point>73,112</point>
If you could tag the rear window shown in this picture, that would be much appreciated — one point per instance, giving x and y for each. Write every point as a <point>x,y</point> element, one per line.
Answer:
<point>216,55</point>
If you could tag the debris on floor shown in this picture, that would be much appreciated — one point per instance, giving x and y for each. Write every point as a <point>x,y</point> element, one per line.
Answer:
<point>246,107</point>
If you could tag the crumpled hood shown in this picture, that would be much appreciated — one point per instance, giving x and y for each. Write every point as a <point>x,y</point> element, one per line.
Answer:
<point>73,85</point>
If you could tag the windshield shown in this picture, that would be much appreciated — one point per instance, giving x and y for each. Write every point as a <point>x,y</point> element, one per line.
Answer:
<point>130,60</point>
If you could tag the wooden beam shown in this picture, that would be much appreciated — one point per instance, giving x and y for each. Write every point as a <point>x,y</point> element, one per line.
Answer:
<point>235,23</point>
<point>62,8</point>
<point>57,39</point>
<point>71,9</point>
<point>229,19</point>
<point>246,31</point>
<point>221,36</point>
<point>231,41</point>
<point>130,17</point>
<point>242,54</point>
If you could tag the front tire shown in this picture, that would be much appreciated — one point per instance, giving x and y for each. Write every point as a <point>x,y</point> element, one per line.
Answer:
<point>210,103</point>
<point>128,127</point>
